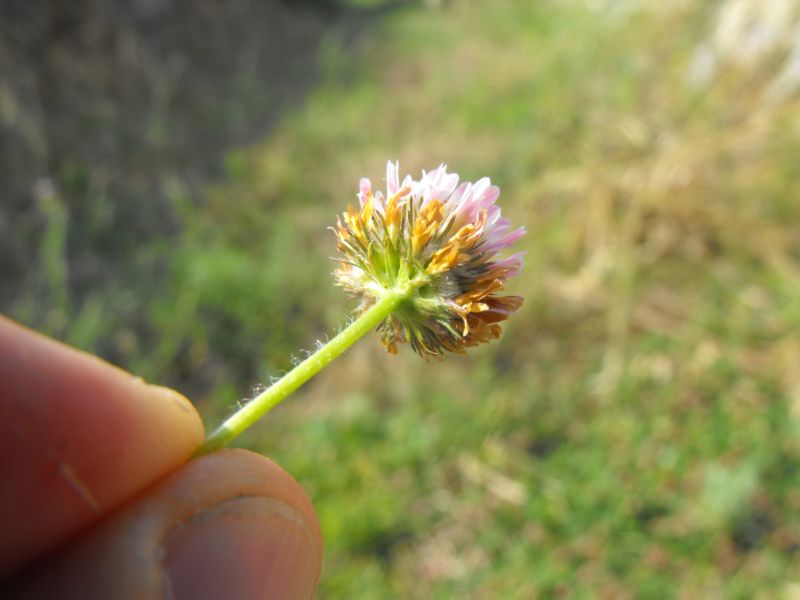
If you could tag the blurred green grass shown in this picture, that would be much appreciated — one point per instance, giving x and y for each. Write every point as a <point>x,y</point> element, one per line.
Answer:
<point>635,432</point>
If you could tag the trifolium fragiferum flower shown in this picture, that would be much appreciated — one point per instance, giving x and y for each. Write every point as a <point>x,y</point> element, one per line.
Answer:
<point>438,241</point>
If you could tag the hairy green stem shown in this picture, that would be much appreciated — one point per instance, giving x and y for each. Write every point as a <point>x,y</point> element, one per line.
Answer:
<point>272,396</point>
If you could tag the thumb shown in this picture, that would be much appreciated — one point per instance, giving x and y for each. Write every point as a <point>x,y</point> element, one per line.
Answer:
<point>228,525</point>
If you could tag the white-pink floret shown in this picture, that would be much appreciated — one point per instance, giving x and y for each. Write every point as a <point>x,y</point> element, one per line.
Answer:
<point>465,202</point>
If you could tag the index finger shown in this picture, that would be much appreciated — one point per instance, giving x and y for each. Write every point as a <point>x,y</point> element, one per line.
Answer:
<point>77,437</point>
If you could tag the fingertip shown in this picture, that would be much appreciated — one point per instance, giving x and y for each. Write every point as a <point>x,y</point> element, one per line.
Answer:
<point>236,472</point>
<point>232,521</point>
<point>80,436</point>
<point>246,547</point>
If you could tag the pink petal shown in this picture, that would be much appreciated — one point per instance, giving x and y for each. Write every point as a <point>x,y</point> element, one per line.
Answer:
<point>448,185</point>
<point>456,200</point>
<point>504,242</point>
<point>365,190</point>
<point>480,188</point>
<point>514,263</point>
<point>392,178</point>
<point>493,219</point>
<point>485,201</point>
<point>435,177</point>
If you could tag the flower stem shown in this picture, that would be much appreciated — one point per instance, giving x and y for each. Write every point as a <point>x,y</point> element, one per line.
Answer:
<point>272,396</point>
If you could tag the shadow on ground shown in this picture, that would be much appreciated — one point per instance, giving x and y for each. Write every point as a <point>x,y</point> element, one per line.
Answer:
<point>114,113</point>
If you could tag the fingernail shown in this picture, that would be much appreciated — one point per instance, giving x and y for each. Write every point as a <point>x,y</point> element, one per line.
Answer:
<point>252,547</point>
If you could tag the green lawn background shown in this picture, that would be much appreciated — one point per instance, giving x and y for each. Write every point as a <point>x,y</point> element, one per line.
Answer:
<point>635,432</point>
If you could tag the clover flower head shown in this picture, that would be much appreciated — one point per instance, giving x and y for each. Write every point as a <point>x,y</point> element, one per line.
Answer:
<point>437,242</point>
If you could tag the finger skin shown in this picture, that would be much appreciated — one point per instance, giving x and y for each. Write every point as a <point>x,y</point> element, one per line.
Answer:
<point>77,437</point>
<point>129,555</point>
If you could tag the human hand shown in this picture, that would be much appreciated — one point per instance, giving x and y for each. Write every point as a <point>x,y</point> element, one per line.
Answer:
<point>97,498</point>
